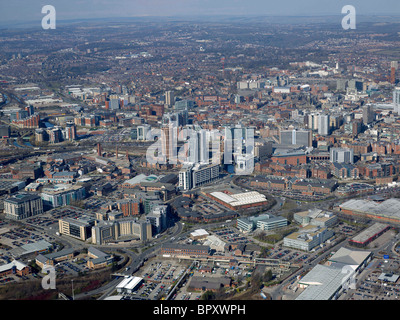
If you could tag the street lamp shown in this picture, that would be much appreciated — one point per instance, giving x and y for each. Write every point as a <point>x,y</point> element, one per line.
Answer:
<point>73,298</point>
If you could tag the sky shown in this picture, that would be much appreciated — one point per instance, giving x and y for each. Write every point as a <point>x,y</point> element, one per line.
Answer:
<point>30,10</point>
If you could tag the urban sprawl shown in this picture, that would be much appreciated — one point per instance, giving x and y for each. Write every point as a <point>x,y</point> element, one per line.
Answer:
<point>201,160</point>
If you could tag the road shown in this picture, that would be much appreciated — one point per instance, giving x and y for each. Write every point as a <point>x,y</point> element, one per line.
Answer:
<point>276,292</point>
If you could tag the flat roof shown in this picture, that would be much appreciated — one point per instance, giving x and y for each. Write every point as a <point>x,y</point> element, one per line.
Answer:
<point>133,282</point>
<point>322,282</point>
<point>389,208</point>
<point>369,232</point>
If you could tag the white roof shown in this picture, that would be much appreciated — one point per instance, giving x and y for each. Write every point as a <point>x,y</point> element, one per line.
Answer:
<point>133,282</point>
<point>123,283</point>
<point>239,199</point>
<point>199,232</point>
<point>8,266</point>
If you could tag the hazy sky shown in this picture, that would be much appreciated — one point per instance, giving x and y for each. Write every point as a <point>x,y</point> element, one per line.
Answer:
<point>30,10</point>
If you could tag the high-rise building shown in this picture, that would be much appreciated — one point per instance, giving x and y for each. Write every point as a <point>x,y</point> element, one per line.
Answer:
<point>55,135</point>
<point>356,85</point>
<point>323,124</point>
<point>394,66</point>
<point>70,131</point>
<point>296,137</point>
<point>342,155</point>
<point>169,98</point>
<point>368,114</point>
<point>169,143</point>
<point>313,121</point>
<point>396,100</point>
<point>197,175</point>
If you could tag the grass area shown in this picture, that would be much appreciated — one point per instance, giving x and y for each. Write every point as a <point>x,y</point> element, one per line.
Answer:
<point>276,237</point>
<point>32,289</point>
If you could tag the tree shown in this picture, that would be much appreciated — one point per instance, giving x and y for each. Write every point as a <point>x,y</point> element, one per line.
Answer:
<point>208,295</point>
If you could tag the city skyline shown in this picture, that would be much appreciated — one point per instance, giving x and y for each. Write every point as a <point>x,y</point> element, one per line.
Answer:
<point>27,12</point>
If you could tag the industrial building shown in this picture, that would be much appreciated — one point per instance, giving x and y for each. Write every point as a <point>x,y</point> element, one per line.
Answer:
<point>387,211</point>
<point>326,282</point>
<point>215,243</point>
<point>369,234</point>
<point>199,234</point>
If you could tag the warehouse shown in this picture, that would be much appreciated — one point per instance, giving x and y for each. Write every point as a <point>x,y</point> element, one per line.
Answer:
<point>326,282</point>
<point>386,211</point>
<point>369,234</point>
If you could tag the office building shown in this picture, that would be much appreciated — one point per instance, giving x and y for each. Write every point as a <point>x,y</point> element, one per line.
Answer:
<point>121,229</point>
<point>368,114</point>
<point>158,218</point>
<point>169,98</point>
<point>264,222</point>
<point>21,206</point>
<point>342,155</point>
<point>307,238</point>
<point>316,217</point>
<point>80,228</point>
<point>296,137</point>
<point>62,195</point>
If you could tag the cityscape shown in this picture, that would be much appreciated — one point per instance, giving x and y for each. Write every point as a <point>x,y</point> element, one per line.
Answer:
<point>201,159</point>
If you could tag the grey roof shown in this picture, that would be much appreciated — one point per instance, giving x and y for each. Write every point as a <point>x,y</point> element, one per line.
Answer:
<point>323,281</point>
<point>58,254</point>
<point>388,208</point>
<point>208,282</point>
<point>21,198</point>
<point>350,257</point>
